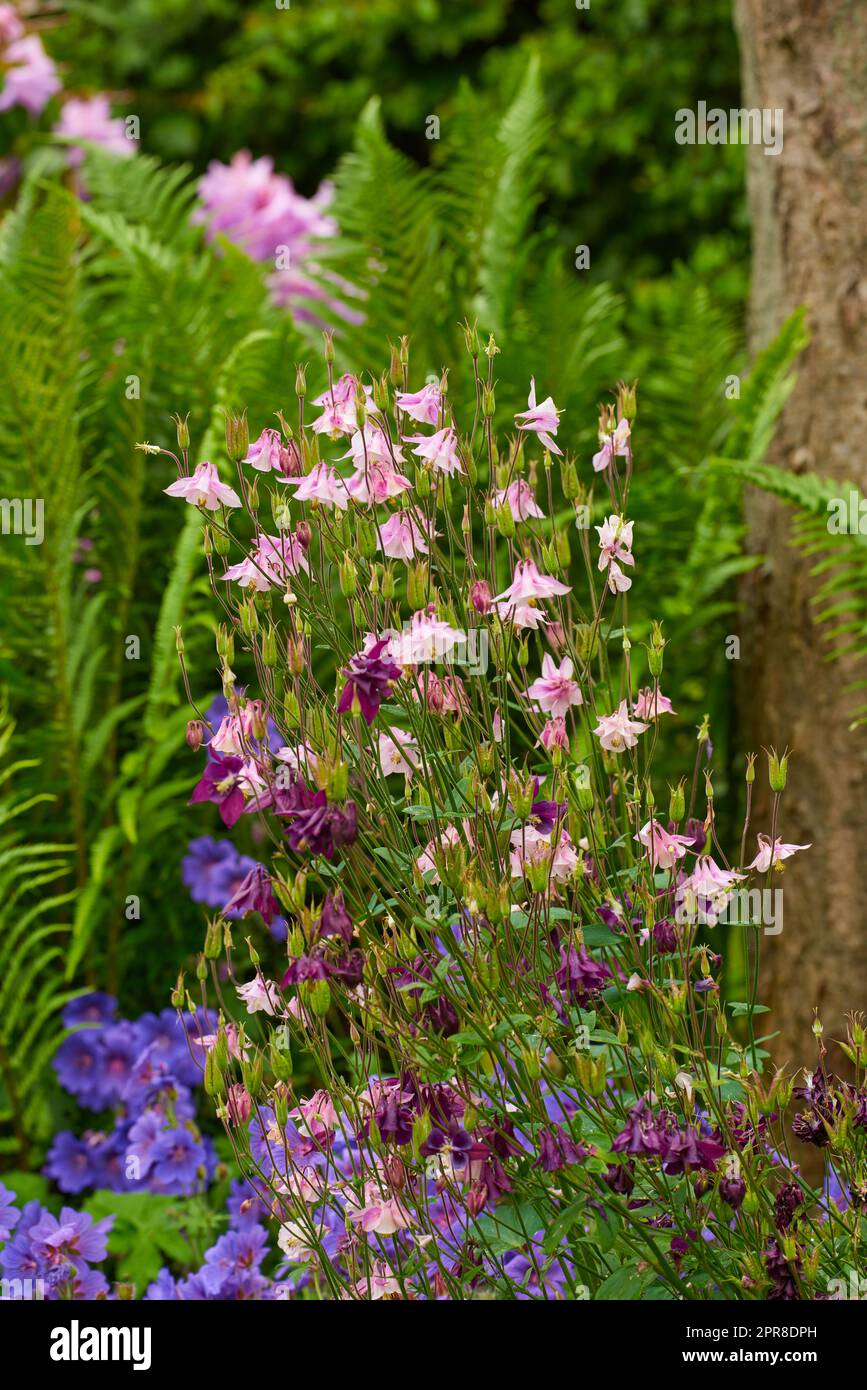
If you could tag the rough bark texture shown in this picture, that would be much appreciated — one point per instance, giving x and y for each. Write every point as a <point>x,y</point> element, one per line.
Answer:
<point>809,214</point>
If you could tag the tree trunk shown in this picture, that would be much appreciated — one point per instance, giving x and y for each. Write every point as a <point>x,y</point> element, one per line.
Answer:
<point>808,207</point>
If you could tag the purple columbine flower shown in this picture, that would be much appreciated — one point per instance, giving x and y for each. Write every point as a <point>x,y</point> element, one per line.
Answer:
<point>334,920</point>
<point>254,894</point>
<point>221,783</point>
<point>322,828</point>
<point>369,678</point>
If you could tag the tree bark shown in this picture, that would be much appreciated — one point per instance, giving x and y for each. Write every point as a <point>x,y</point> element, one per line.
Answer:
<point>808,207</point>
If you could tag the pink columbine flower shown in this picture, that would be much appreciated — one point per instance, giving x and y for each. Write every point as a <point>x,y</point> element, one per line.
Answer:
<point>90,119</point>
<point>258,996</point>
<point>440,450</point>
<point>528,584</point>
<point>615,541</point>
<point>300,759</point>
<point>321,485</point>
<point>398,753</point>
<point>426,638</point>
<point>521,615</point>
<point>531,849</point>
<point>663,849</point>
<point>204,489</point>
<point>553,735</point>
<point>404,536</point>
<point>30,77</point>
<point>377,482</point>
<point>268,453</point>
<point>766,856</point>
<point>651,704</point>
<point>273,560</point>
<point>519,498</point>
<point>617,731</point>
<point>709,886</point>
<point>380,1214</point>
<point>370,445</point>
<point>614,445</point>
<point>542,420</point>
<point>339,407</point>
<point>424,405</point>
<point>555,691</point>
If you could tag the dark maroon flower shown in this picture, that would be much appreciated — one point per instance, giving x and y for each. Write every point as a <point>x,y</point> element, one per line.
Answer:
<point>322,828</point>
<point>733,1191</point>
<point>786,1203</point>
<point>305,968</point>
<point>579,976</point>
<point>254,894</point>
<point>334,920</point>
<point>687,1150</point>
<point>556,1149</point>
<point>784,1285</point>
<point>369,677</point>
<point>220,783</point>
<point>640,1136</point>
<point>620,1177</point>
<point>664,937</point>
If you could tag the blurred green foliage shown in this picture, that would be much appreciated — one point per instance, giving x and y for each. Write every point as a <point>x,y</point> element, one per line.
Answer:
<point>210,78</point>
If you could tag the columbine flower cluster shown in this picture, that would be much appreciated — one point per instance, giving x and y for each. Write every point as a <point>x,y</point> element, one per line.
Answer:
<point>503,959</point>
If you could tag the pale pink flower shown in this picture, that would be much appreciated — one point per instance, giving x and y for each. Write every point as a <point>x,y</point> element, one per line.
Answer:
<point>273,560</point>
<point>398,753</point>
<point>617,581</point>
<point>617,731</point>
<point>530,849</point>
<point>316,1116</point>
<point>520,500</point>
<point>404,536</point>
<point>766,857</point>
<point>204,489</point>
<point>615,541</point>
<point>497,726</point>
<point>440,450</point>
<point>555,691</point>
<point>542,420</point>
<point>258,996</point>
<point>528,584</point>
<point>380,1284</point>
<point>89,119</point>
<point>651,704</point>
<point>372,444</point>
<point>521,615</point>
<point>427,638</point>
<point>340,411</point>
<point>450,839</point>
<point>299,759</point>
<point>380,1214</point>
<point>322,485</point>
<point>553,735</point>
<point>614,445</point>
<point>29,77</point>
<point>267,452</point>
<point>663,849</point>
<point>208,1041</point>
<point>424,405</point>
<point>709,885</point>
<point>377,482</point>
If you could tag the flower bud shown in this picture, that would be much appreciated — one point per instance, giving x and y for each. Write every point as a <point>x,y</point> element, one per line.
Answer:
<point>183,431</point>
<point>237,436</point>
<point>319,998</point>
<point>214,1081</point>
<point>214,939</point>
<point>481,597</point>
<point>300,381</point>
<point>348,576</point>
<point>195,734</point>
<point>778,768</point>
<point>269,646</point>
<point>677,802</point>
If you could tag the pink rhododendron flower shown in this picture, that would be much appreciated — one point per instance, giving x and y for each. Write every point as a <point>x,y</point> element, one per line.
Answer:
<point>424,405</point>
<point>398,753</point>
<point>650,704</point>
<point>321,485</point>
<point>89,119</point>
<point>766,856</point>
<point>440,450</point>
<point>614,445</point>
<point>617,731</point>
<point>204,489</point>
<point>542,420</point>
<point>519,498</point>
<point>29,76</point>
<point>555,691</point>
<point>664,849</point>
<point>404,536</point>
